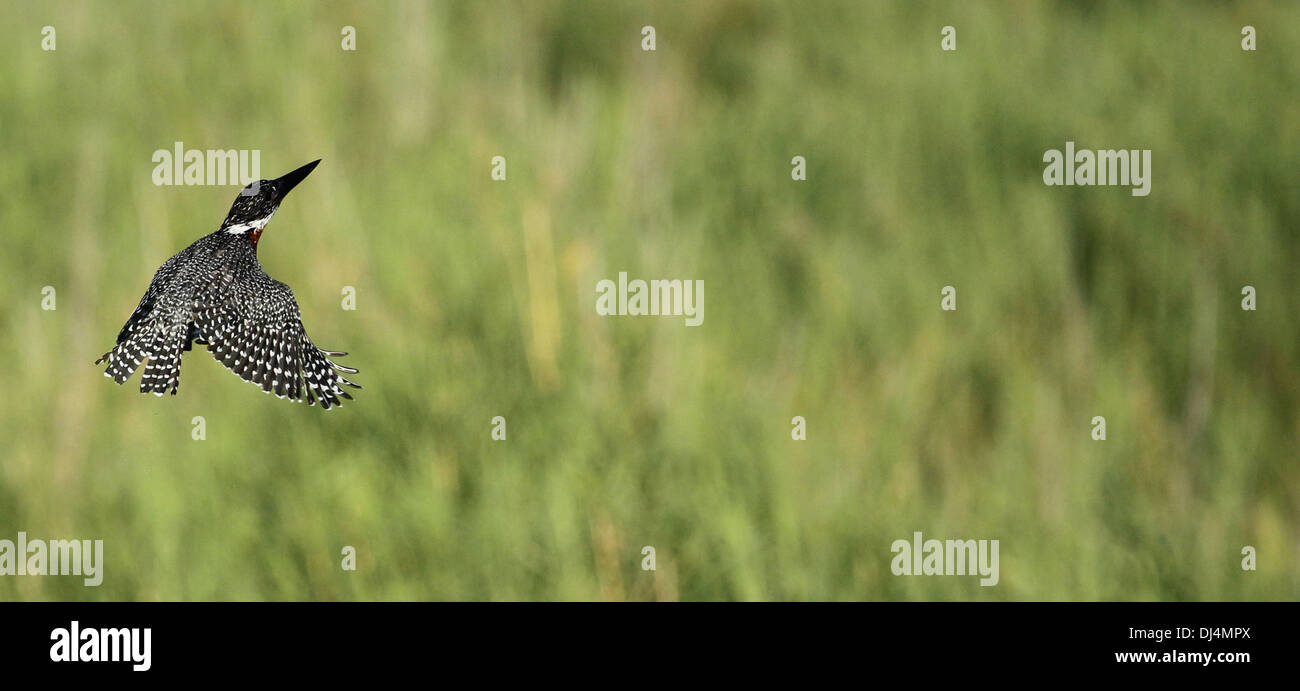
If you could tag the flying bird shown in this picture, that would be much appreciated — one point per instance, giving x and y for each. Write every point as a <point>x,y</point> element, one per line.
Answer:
<point>216,294</point>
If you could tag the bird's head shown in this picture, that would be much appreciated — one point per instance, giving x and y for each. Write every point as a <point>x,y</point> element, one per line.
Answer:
<point>257,202</point>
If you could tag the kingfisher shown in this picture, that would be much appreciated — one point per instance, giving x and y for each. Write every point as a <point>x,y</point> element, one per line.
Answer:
<point>216,294</point>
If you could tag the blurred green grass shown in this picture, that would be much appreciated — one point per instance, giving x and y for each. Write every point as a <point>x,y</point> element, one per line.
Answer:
<point>476,299</point>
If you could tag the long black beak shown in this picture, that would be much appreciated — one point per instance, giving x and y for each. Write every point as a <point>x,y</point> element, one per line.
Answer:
<point>288,181</point>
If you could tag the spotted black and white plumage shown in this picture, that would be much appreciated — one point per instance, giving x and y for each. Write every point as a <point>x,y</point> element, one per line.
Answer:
<point>216,294</point>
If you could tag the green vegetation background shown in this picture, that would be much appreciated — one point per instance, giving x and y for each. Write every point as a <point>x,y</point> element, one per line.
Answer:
<point>476,298</point>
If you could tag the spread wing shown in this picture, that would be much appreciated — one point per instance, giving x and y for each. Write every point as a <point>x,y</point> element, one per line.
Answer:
<point>254,328</point>
<point>155,332</point>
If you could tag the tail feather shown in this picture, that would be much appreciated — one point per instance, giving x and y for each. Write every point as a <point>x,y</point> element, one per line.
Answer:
<point>163,373</point>
<point>157,349</point>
